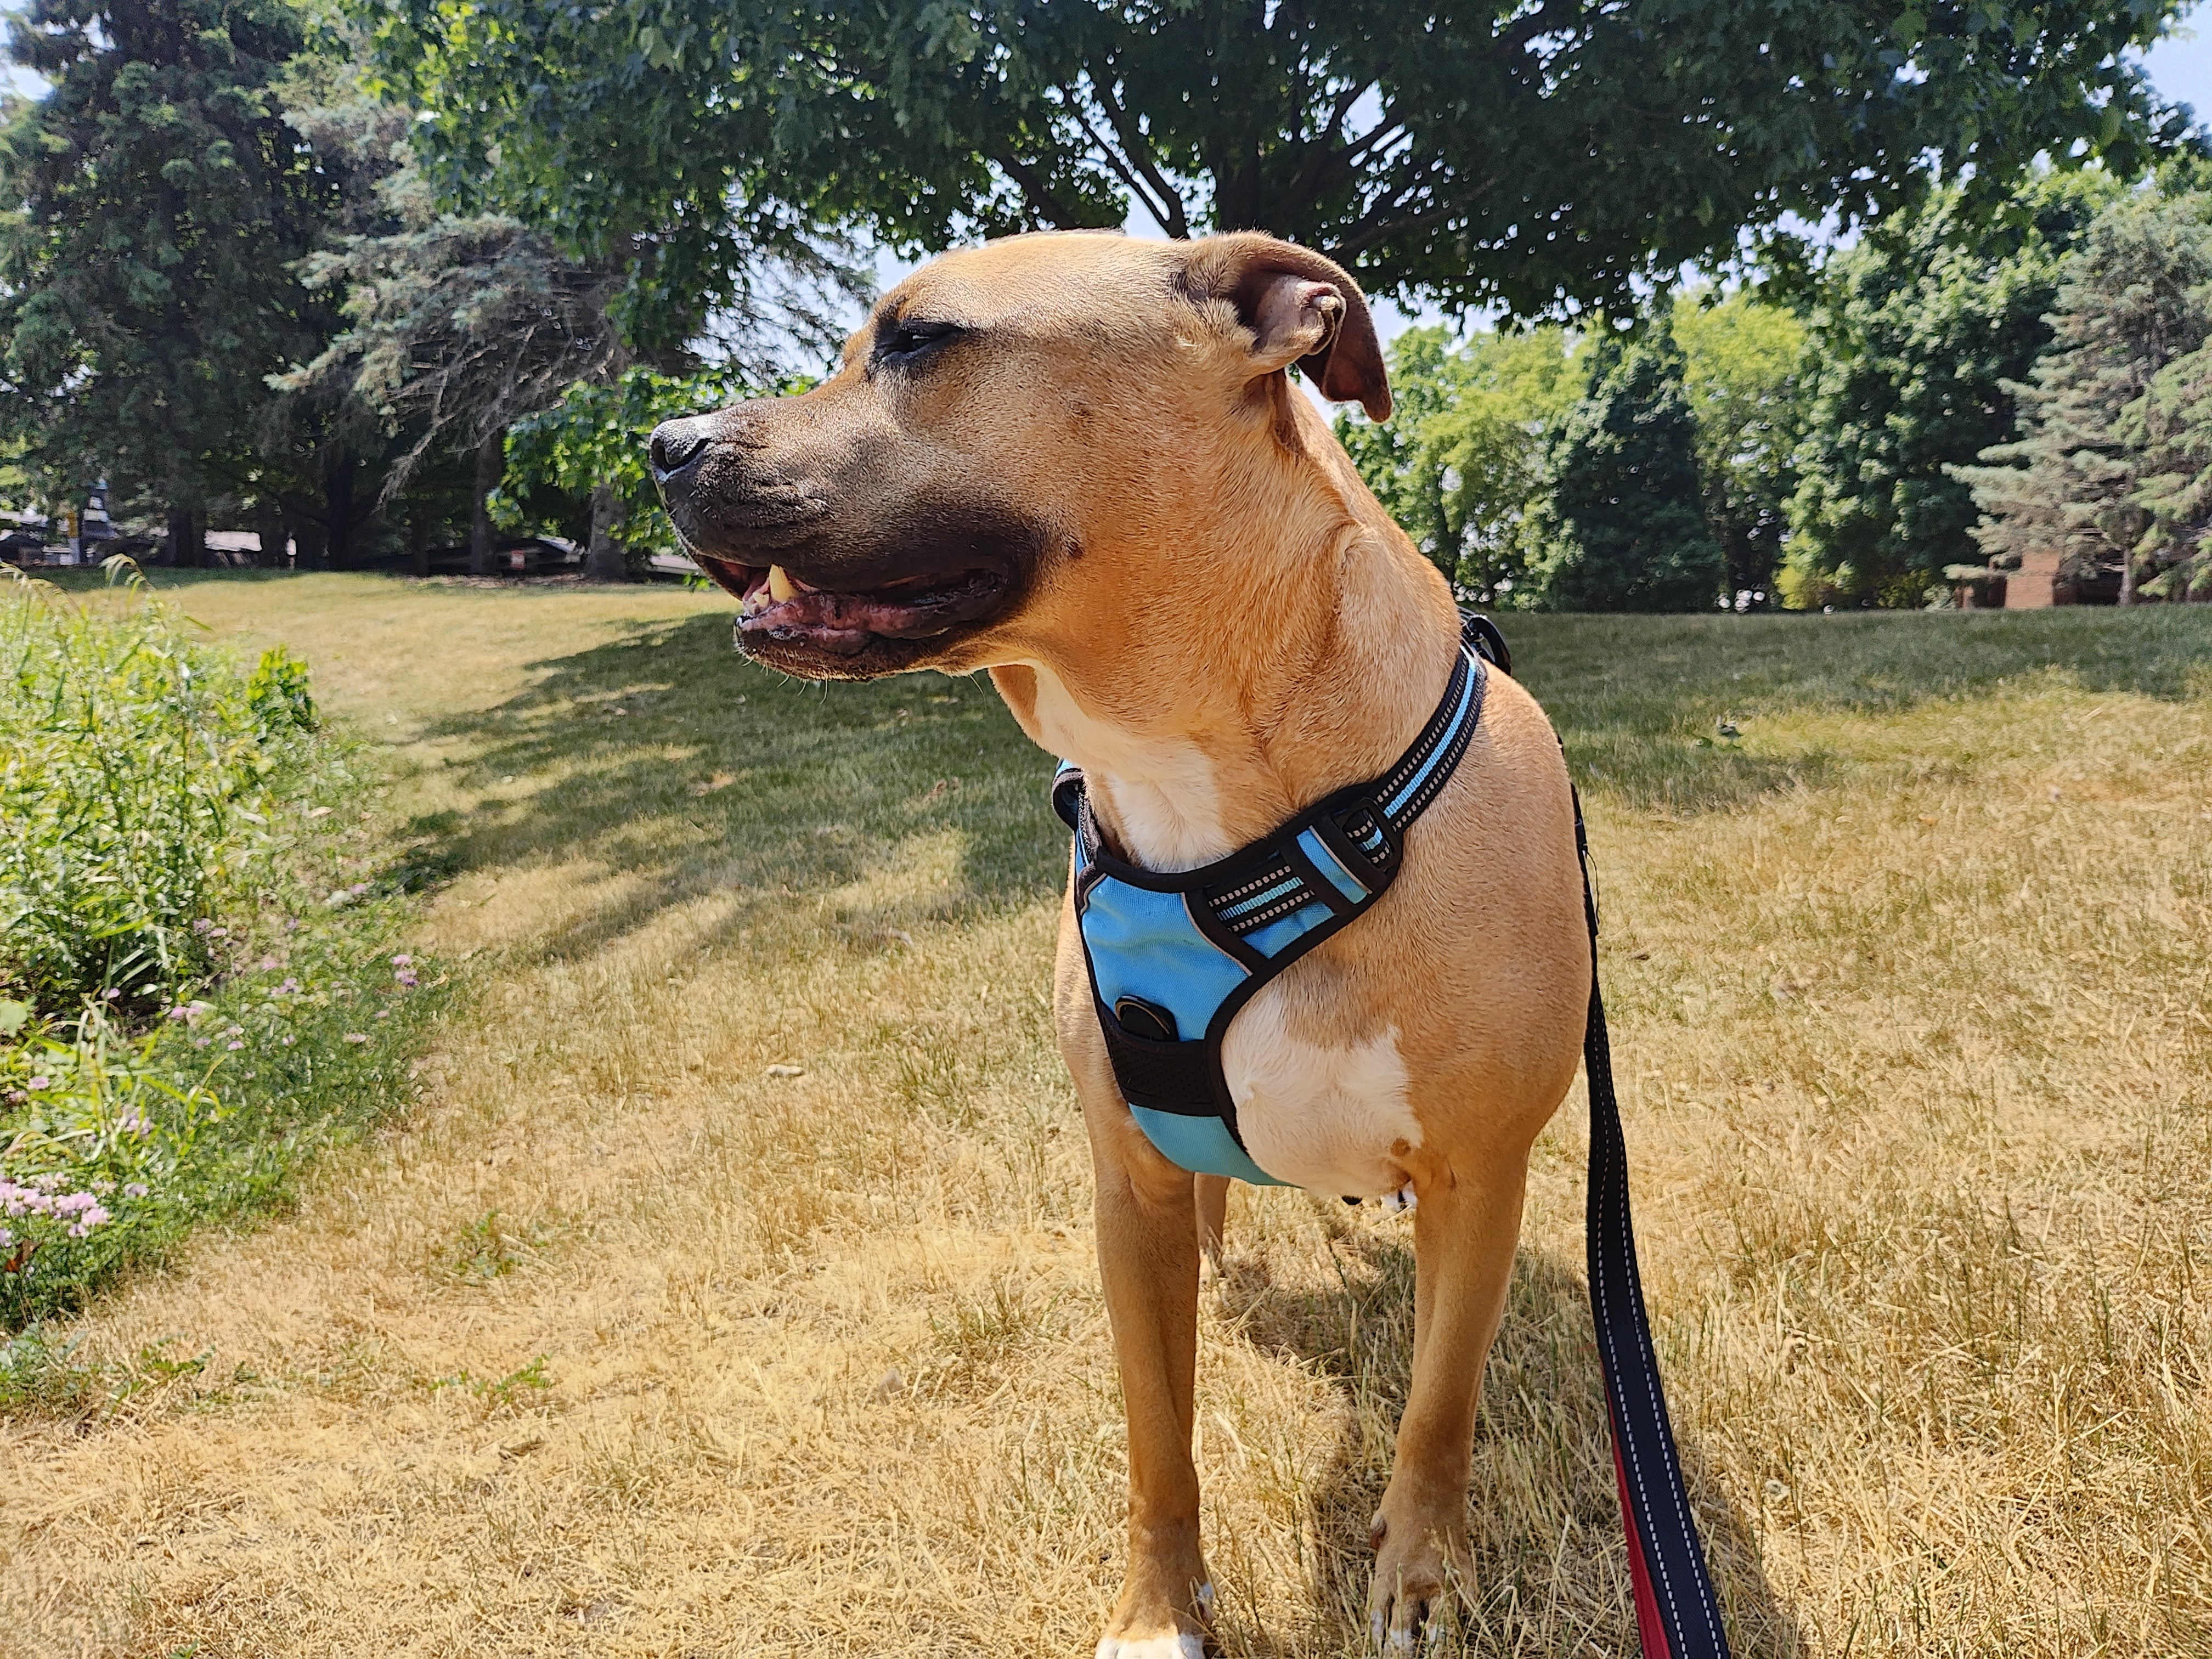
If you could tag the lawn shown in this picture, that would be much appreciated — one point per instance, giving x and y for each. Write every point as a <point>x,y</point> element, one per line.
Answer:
<point>731,1288</point>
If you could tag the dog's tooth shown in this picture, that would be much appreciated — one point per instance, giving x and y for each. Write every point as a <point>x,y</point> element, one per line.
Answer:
<point>780,586</point>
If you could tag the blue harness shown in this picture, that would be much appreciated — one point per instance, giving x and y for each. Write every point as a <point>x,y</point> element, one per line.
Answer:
<point>1174,957</point>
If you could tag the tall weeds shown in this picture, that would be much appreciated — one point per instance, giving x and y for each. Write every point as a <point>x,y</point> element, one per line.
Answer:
<point>192,993</point>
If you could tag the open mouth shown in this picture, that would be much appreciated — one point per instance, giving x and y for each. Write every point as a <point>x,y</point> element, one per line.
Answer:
<point>780,607</point>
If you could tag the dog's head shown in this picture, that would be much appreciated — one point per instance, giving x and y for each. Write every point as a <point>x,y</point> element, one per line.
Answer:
<point>1006,411</point>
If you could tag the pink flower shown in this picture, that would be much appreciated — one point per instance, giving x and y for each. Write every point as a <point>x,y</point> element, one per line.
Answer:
<point>356,1037</point>
<point>403,960</point>
<point>37,1081</point>
<point>135,1190</point>
<point>233,1047</point>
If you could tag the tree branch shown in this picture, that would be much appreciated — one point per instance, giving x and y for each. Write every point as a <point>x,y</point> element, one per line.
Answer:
<point>1034,190</point>
<point>1140,156</point>
<point>1375,227</point>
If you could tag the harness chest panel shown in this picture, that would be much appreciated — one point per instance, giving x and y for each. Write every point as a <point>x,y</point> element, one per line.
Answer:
<point>1173,955</point>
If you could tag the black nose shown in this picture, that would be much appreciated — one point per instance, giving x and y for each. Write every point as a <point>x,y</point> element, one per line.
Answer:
<point>675,444</point>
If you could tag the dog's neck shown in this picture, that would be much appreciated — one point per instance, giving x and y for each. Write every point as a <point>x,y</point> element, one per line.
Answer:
<point>1311,663</point>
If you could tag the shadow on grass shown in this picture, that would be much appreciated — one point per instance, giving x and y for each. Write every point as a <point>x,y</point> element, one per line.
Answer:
<point>664,755</point>
<point>1548,1571</point>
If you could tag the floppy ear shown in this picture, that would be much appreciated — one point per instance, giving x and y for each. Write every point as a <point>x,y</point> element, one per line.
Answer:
<point>1302,309</point>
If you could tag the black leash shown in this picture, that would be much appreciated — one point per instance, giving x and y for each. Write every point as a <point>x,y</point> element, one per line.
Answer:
<point>1676,1613</point>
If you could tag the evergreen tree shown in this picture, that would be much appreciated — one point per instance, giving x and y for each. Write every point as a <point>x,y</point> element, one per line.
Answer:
<point>1626,521</point>
<point>2094,445</point>
<point>456,326</point>
<point>158,201</point>
<point>1916,336</point>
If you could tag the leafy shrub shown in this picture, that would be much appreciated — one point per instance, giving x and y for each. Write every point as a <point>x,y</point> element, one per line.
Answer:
<point>278,694</point>
<point>198,987</point>
<point>97,1124</point>
<point>138,775</point>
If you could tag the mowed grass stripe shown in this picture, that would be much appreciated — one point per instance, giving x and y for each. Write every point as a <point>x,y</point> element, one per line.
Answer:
<point>624,1346</point>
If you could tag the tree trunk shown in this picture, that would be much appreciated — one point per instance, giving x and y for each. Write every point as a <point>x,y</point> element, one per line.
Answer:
<point>269,526</point>
<point>312,541</point>
<point>418,541</point>
<point>491,467</point>
<point>337,498</point>
<point>187,539</point>
<point>605,562</point>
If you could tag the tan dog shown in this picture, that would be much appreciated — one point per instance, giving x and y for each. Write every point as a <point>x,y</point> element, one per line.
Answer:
<point>1076,461</point>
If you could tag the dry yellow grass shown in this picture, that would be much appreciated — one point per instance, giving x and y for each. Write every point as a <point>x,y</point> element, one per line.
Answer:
<point>625,1347</point>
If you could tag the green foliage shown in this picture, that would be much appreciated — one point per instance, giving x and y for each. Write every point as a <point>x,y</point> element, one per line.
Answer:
<point>1624,528</point>
<point>1915,337</point>
<point>1741,362</point>
<point>1460,464</point>
<point>141,783</point>
<point>2102,470</point>
<point>157,201</point>
<point>679,132</point>
<point>700,149</point>
<point>194,992</point>
<point>280,695</point>
<point>596,435</point>
<point>96,1123</point>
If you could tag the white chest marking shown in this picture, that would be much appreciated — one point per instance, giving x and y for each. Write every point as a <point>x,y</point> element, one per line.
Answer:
<point>1323,1118</point>
<point>1162,790</point>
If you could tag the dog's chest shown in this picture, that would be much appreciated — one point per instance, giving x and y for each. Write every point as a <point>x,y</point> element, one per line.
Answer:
<point>1315,1107</point>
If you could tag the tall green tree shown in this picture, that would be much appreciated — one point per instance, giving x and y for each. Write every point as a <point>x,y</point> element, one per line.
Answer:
<point>1914,337</point>
<point>156,202</point>
<point>1624,526</point>
<point>2093,466</point>
<point>1741,363</point>
<point>1531,155</point>
<point>1460,464</point>
<point>455,327</point>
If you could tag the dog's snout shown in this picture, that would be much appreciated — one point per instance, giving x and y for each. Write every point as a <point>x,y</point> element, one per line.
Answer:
<point>676,443</point>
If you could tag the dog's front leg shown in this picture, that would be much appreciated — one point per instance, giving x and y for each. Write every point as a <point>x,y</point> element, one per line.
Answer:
<point>1148,1244</point>
<point>1148,1259</point>
<point>1464,1232</point>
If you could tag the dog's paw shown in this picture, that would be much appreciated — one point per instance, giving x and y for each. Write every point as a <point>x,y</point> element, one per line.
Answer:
<point>1407,1598</point>
<point>1181,1646</point>
<point>1174,1637</point>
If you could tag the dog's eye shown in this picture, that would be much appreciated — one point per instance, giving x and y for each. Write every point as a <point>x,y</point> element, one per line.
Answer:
<point>913,338</point>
